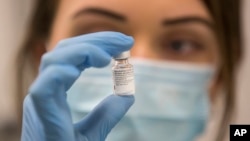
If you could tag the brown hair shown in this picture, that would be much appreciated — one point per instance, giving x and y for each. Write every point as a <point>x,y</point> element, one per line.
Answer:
<point>39,28</point>
<point>226,14</point>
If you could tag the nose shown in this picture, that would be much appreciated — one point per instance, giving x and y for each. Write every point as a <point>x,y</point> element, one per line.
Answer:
<point>142,48</point>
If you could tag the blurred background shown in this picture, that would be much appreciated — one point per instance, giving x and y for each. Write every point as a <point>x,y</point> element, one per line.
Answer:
<point>13,20</point>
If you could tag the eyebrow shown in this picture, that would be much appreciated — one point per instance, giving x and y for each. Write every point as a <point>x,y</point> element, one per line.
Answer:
<point>101,12</point>
<point>186,20</point>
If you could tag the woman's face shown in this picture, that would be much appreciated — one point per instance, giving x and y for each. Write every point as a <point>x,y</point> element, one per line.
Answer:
<point>172,30</point>
<point>179,30</point>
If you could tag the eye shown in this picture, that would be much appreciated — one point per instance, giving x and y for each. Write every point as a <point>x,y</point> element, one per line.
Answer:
<point>182,46</point>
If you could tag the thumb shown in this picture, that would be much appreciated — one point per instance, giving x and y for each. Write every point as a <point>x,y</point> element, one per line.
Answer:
<point>98,123</point>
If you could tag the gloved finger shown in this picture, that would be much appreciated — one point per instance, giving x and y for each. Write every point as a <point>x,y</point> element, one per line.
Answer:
<point>107,38</point>
<point>56,75</point>
<point>81,56</point>
<point>48,93</point>
<point>112,43</point>
<point>97,124</point>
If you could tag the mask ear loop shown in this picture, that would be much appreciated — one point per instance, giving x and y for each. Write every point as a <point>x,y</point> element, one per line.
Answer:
<point>215,117</point>
<point>215,84</point>
<point>216,107</point>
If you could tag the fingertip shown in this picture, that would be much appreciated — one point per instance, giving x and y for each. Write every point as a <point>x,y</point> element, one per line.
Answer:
<point>128,41</point>
<point>117,106</point>
<point>124,37</point>
<point>105,60</point>
<point>125,99</point>
<point>113,107</point>
<point>120,41</point>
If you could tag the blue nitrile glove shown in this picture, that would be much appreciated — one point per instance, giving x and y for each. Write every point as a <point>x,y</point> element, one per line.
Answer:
<point>46,114</point>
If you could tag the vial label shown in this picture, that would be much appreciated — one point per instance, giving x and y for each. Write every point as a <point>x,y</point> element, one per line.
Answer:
<point>124,81</point>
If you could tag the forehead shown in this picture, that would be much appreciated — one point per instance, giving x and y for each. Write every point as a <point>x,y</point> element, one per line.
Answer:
<point>139,8</point>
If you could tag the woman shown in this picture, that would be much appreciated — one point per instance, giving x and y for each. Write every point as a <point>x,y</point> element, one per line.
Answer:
<point>188,52</point>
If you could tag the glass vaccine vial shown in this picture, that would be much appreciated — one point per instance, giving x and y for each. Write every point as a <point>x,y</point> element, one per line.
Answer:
<point>123,75</point>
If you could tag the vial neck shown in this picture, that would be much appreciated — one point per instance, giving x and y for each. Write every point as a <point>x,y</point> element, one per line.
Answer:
<point>121,61</point>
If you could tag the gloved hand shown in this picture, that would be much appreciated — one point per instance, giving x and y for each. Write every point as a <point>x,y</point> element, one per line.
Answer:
<point>46,114</point>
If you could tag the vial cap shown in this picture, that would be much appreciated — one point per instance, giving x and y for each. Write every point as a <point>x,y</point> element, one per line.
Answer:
<point>123,55</point>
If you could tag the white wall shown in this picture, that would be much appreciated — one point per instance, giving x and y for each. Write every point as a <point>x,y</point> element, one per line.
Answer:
<point>243,101</point>
<point>13,16</point>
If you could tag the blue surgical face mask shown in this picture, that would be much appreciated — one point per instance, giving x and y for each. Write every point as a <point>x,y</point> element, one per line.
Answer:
<point>171,104</point>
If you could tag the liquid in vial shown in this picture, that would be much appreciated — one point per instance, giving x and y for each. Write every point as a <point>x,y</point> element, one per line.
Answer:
<point>123,75</point>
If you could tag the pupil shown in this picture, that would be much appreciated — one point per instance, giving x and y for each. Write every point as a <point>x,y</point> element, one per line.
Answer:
<point>177,45</point>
